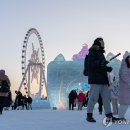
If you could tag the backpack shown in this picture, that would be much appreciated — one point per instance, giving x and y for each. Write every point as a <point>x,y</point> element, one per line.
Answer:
<point>85,72</point>
<point>4,86</point>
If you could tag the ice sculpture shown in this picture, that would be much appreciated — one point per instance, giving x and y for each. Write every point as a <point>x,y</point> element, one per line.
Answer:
<point>62,76</point>
<point>81,55</point>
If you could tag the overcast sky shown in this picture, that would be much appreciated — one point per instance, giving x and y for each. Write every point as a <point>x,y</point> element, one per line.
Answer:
<point>64,26</point>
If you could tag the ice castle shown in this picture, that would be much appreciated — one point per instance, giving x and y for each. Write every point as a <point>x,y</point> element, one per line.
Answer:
<point>63,76</point>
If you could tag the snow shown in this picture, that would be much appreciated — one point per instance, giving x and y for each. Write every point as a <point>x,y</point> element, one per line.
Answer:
<point>48,119</point>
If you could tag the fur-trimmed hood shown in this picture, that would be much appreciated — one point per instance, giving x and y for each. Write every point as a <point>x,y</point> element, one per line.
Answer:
<point>96,48</point>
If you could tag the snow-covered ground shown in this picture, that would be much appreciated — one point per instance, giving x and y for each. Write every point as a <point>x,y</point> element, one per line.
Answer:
<point>54,120</point>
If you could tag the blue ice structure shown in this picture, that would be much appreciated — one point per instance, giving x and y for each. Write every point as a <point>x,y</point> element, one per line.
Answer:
<point>62,77</point>
<point>40,104</point>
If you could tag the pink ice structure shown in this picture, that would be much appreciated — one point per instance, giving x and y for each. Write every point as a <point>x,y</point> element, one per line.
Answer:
<point>81,55</point>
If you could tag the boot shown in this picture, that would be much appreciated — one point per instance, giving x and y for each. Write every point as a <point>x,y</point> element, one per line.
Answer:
<point>111,118</point>
<point>90,117</point>
<point>1,109</point>
<point>0,112</point>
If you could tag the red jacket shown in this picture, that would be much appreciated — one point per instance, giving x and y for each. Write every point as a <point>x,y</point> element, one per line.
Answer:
<point>81,97</point>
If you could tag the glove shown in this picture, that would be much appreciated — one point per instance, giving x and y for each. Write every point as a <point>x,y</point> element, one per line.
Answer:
<point>104,63</point>
<point>108,69</point>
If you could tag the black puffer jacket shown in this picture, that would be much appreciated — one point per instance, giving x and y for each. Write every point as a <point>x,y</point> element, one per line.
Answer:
<point>72,95</point>
<point>96,66</point>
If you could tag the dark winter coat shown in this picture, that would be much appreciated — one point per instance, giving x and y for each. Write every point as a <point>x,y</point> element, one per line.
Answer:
<point>8,100</point>
<point>25,100</point>
<point>4,77</point>
<point>72,95</point>
<point>19,99</point>
<point>29,100</point>
<point>96,66</point>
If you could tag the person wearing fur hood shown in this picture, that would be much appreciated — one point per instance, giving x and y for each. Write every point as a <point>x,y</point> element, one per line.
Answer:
<point>124,85</point>
<point>98,79</point>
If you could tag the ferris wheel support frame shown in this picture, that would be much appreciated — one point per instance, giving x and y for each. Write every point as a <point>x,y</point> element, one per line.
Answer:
<point>41,75</point>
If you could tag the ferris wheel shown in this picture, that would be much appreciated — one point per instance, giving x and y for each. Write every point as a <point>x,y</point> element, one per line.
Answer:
<point>35,65</point>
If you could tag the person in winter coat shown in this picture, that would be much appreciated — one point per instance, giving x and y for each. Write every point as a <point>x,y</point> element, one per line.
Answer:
<point>72,97</point>
<point>114,93</point>
<point>98,79</point>
<point>124,85</point>
<point>5,78</point>
<point>29,100</point>
<point>18,100</point>
<point>25,102</point>
<point>81,98</point>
